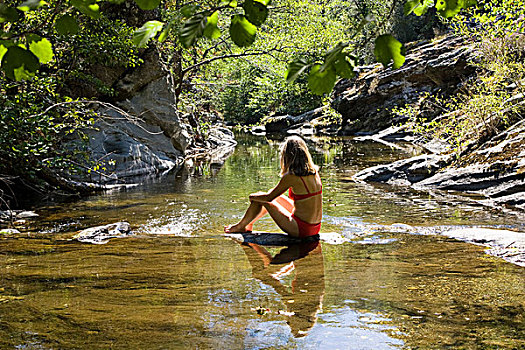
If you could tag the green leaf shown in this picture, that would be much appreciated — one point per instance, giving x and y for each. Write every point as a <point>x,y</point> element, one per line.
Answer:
<point>296,68</point>
<point>8,14</point>
<point>165,32</point>
<point>40,47</point>
<point>211,30</point>
<point>4,45</point>
<point>343,67</point>
<point>388,48</point>
<point>30,5</point>
<point>192,30</point>
<point>242,31</point>
<point>450,8</point>
<point>67,24</point>
<point>142,36</point>
<point>255,11</point>
<point>19,64</point>
<point>231,3</point>
<point>188,10</point>
<point>418,7</point>
<point>321,82</point>
<point>87,7</point>
<point>148,4</point>
<point>332,55</point>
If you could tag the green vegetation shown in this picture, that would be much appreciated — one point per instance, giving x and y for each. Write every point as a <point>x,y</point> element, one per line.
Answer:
<point>225,56</point>
<point>495,99</point>
<point>39,113</point>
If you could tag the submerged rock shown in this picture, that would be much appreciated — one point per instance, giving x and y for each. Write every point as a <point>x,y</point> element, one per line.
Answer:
<point>7,216</point>
<point>101,234</point>
<point>505,244</point>
<point>282,239</point>
<point>8,231</point>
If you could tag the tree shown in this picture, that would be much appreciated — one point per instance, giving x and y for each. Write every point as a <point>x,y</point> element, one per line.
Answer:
<point>22,52</point>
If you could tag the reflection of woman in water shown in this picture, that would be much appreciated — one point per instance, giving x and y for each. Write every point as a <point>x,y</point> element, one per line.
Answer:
<point>298,215</point>
<point>306,295</point>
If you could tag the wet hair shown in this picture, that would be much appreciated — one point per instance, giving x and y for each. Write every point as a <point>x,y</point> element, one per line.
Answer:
<point>295,158</point>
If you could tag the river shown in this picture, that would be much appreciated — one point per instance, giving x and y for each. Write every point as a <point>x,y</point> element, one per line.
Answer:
<point>394,282</point>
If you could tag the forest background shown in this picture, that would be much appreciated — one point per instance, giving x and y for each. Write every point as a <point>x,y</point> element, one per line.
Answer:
<point>221,63</point>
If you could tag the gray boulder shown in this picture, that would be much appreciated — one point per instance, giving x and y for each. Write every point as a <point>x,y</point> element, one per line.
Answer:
<point>278,123</point>
<point>143,137</point>
<point>155,104</point>
<point>366,101</point>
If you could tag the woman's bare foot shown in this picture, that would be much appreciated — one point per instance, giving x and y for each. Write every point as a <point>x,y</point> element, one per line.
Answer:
<point>238,228</point>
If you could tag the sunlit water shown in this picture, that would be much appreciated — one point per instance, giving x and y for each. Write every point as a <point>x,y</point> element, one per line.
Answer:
<point>177,283</point>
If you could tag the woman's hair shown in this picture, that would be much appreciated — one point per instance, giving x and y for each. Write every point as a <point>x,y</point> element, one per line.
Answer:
<point>295,158</point>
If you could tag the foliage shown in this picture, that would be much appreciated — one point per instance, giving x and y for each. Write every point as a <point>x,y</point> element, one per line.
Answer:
<point>246,21</point>
<point>37,114</point>
<point>252,87</point>
<point>30,134</point>
<point>253,93</point>
<point>492,102</point>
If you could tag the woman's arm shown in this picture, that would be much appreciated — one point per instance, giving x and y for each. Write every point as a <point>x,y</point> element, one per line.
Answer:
<point>269,196</point>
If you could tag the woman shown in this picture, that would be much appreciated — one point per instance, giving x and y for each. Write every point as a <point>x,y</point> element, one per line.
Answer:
<point>300,214</point>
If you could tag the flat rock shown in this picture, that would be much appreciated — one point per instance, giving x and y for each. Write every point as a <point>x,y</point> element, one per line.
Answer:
<point>282,239</point>
<point>101,234</point>
<point>8,231</point>
<point>505,244</point>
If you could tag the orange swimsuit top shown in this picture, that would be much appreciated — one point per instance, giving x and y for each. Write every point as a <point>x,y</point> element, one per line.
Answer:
<point>298,197</point>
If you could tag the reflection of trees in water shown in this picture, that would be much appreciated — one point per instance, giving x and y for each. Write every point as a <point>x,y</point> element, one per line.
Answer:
<point>303,299</point>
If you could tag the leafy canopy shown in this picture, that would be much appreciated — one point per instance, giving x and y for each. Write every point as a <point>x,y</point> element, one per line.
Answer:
<point>22,53</point>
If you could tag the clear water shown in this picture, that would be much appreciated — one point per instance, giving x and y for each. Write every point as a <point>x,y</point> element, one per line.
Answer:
<point>177,283</point>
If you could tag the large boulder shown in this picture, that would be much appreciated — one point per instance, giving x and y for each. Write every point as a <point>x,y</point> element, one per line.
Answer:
<point>155,104</point>
<point>365,102</point>
<point>137,79</point>
<point>144,136</point>
<point>125,149</point>
<point>278,123</point>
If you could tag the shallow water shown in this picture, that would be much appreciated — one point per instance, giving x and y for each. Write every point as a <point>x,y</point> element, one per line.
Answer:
<point>177,283</point>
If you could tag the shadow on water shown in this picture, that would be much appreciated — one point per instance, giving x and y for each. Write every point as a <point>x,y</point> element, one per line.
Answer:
<point>178,283</point>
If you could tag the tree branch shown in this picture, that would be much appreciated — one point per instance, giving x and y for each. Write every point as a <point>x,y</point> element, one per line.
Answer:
<point>234,55</point>
<point>125,116</point>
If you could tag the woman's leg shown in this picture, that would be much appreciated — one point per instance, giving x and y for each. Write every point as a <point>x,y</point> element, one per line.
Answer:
<point>257,210</point>
<point>254,212</point>
<point>282,217</point>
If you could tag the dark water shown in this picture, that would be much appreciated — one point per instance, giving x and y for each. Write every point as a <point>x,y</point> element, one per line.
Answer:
<point>178,284</point>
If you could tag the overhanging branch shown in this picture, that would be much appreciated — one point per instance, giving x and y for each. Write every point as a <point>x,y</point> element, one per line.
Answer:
<point>233,55</point>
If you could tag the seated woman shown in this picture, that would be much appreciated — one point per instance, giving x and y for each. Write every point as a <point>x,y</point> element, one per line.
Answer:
<point>300,214</point>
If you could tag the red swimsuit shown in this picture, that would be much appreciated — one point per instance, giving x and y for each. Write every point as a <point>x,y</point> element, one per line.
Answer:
<point>306,229</point>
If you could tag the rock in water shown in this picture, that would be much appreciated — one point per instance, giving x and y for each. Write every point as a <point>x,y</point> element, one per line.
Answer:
<point>282,239</point>
<point>101,234</point>
<point>8,231</point>
<point>505,244</point>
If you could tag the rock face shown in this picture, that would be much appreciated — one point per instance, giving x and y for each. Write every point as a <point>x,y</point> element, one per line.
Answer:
<point>496,170</point>
<point>305,124</point>
<point>365,102</point>
<point>128,146</point>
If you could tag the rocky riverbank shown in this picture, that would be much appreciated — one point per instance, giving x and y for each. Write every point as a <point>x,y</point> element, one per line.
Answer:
<point>489,169</point>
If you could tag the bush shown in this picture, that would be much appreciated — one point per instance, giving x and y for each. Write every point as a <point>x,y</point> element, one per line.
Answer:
<point>490,103</point>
